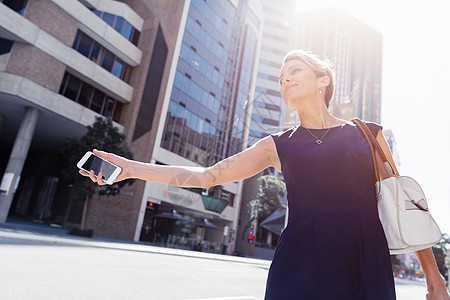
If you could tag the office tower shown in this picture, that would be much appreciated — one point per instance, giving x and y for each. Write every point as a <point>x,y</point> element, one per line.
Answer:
<point>209,106</point>
<point>173,75</point>
<point>268,106</point>
<point>355,49</point>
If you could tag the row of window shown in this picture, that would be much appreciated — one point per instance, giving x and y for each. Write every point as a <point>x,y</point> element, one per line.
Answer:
<point>188,135</point>
<point>196,61</point>
<point>260,119</point>
<point>273,50</point>
<point>207,99</point>
<point>269,63</point>
<point>268,77</point>
<point>265,105</point>
<point>206,40</point>
<point>120,25</point>
<point>90,97</point>
<point>223,6</point>
<point>98,54</point>
<point>271,92</point>
<point>193,121</point>
<point>214,18</point>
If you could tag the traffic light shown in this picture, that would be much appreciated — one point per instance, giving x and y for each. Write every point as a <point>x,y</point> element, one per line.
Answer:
<point>251,236</point>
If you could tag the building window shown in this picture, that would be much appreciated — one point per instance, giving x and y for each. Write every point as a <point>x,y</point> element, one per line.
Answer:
<point>272,107</point>
<point>98,54</point>
<point>271,92</point>
<point>270,122</point>
<point>268,77</point>
<point>121,25</point>
<point>107,60</point>
<point>97,101</point>
<point>5,46</point>
<point>72,88</point>
<point>86,95</point>
<point>17,5</point>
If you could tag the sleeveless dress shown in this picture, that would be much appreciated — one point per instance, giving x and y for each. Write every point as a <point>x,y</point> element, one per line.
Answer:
<point>334,246</point>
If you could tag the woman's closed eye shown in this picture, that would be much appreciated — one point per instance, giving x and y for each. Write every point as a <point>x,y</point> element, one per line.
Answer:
<point>294,70</point>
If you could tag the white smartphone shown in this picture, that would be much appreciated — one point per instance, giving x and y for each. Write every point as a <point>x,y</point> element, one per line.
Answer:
<point>90,161</point>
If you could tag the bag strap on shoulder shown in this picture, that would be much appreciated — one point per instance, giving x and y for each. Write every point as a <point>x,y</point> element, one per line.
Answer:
<point>372,141</point>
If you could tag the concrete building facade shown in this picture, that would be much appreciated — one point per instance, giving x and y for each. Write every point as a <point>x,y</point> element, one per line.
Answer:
<point>175,76</point>
<point>51,90</point>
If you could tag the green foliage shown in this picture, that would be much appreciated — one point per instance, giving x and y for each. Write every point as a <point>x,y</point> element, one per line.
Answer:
<point>266,202</point>
<point>102,135</point>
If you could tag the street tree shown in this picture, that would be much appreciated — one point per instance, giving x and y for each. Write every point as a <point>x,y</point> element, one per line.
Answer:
<point>267,200</point>
<point>102,135</point>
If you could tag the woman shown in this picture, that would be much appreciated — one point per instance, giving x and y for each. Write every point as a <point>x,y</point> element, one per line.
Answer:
<point>334,246</point>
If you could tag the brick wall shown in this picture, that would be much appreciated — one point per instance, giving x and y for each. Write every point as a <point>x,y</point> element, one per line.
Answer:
<point>30,62</point>
<point>52,19</point>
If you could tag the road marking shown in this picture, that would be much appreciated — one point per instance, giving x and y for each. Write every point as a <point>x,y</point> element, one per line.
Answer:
<point>229,298</point>
<point>221,270</point>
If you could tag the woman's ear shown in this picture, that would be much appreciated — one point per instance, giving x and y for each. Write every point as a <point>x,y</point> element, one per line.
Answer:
<point>324,81</point>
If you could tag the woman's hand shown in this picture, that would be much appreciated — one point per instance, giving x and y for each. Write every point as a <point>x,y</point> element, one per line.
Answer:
<point>438,292</point>
<point>119,161</point>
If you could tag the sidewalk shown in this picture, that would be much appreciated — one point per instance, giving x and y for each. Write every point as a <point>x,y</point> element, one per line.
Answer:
<point>37,234</point>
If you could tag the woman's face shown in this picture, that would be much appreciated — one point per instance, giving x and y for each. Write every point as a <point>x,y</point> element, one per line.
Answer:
<point>298,81</point>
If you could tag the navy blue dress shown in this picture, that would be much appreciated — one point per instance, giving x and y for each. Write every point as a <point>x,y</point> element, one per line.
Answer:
<point>334,246</point>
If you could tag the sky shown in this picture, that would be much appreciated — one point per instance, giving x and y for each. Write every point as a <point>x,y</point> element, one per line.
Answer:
<point>415,88</point>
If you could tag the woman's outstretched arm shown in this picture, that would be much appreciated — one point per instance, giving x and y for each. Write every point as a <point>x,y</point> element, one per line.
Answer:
<point>435,281</point>
<point>236,167</point>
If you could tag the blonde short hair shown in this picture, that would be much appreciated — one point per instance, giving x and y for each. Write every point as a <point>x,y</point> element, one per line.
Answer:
<point>322,67</point>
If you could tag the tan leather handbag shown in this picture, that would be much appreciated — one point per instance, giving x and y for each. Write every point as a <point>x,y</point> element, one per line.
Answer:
<point>401,202</point>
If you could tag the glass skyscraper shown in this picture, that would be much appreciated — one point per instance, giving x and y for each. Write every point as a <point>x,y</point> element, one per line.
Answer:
<point>208,103</point>
<point>206,113</point>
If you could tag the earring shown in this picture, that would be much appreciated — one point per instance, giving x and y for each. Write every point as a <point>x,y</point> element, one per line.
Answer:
<point>320,91</point>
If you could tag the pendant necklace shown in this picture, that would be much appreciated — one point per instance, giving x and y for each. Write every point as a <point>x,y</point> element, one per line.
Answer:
<point>318,141</point>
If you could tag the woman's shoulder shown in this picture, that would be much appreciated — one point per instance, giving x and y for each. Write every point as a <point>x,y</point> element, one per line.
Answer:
<point>283,134</point>
<point>373,126</point>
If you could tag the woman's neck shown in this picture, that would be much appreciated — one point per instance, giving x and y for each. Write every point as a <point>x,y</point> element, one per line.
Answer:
<point>318,119</point>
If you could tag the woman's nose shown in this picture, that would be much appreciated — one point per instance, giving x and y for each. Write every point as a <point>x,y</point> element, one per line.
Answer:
<point>286,81</point>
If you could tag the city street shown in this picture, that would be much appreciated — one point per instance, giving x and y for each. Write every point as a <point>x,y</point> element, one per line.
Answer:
<point>47,269</point>
<point>130,127</point>
<point>65,272</point>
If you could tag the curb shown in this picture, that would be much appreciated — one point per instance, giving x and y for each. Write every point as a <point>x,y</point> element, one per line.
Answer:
<point>32,237</point>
